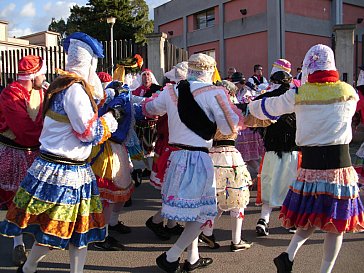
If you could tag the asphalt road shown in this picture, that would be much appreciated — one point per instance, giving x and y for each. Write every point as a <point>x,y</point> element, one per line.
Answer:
<point>142,247</point>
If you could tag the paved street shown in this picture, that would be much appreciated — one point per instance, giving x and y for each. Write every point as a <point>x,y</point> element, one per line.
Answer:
<point>143,247</point>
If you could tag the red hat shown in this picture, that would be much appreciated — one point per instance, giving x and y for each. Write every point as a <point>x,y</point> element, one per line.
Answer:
<point>104,77</point>
<point>30,66</point>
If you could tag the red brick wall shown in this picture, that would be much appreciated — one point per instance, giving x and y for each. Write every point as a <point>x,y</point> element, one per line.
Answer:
<point>245,51</point>
<point>319,9</point>
<point>176,26</point>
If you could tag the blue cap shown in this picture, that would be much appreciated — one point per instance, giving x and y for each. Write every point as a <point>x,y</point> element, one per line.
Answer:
<point>95,45</point>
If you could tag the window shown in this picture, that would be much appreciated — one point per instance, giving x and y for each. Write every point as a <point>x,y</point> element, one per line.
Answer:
<point>205,19</point>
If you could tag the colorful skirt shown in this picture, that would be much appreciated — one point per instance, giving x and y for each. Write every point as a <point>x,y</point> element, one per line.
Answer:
<point>189,190</point>
<point>275,177</point>
<point>59,204</point>
<point>326,199</point>
<point>250,144</point>
<point>358,164</point>
<point>232,178</point>
<point>14,164</point>
<point>110,163</point>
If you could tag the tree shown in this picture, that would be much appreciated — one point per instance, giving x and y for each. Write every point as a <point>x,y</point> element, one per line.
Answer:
<point>131,20</point>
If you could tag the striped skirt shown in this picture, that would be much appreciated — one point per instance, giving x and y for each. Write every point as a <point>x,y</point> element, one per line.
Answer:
<point>57,203</point>
<point>326,199</point>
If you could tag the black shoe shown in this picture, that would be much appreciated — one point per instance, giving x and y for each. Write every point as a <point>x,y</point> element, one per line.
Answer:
<point>283,264</point>
<point>209,240</point>
<point>19,255</point>
<point>201,263</point>
<point>176,230</point>
<point>128,203</point>
<point>240,246</point>
<point>20,269</point>
<point>173,267</point>
<point>262,228</point>
<point>158,229</point>
<point>120,228</point>
<point>292,230</point>
<point>110,244</point>
<point>137,176</point>
<point>146,173</point>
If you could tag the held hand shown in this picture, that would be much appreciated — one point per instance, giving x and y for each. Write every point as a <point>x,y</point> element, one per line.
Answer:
<point>118,112</point>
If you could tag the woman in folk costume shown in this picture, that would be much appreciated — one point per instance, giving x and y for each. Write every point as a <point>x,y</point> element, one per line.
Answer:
<point>21,122</point>
<point>195,109</point>
<point>111,165</point>
<point>58,201</point>
<point>359,159</point>
<point>147,129</point>
<point>248,142</point>
<point>232,183</point>
<point>156,222</point>
<point>325,194</point>
<point>281,159</point>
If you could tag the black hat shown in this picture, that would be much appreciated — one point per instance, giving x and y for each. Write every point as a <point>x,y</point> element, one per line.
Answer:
<point>361,67</point>
<point>280,77</point>
<point>237,77</point>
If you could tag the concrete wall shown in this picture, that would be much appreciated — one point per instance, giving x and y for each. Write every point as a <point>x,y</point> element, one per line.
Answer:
<point>176,26</point>
<point>319,9</point>
<point>232,9</point>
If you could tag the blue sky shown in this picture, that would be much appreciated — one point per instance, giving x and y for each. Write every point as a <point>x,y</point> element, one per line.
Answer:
<point>27,17</point>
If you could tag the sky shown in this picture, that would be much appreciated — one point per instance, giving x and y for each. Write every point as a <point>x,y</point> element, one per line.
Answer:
<point>26,17</point>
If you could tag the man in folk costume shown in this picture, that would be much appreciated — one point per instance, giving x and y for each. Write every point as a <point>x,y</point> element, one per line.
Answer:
<point>257,79</point>
<point>325,194</point>
<point>21,122</point>
<point>195,108</point>
<point>280,162</point>
<point>156,222</point>
<point>58,200</point>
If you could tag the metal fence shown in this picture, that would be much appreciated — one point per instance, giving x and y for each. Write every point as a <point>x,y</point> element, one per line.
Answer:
<point>55,57</point>
<point>173,55</point>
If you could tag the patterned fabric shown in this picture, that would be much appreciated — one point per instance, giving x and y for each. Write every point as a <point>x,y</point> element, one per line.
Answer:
<point>326,199</point>
<point>250,144</point>
<point>13,168</point>
<point>188,192</point>
<point>59,204</point>
<point>232,178</point>
<point>324,93</point>
<point>110,163</point>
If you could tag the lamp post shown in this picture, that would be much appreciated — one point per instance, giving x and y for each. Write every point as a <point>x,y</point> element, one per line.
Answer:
<point>111,20</point>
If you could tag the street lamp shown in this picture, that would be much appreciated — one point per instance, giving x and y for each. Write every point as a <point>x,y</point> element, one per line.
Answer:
<point>111,20</point>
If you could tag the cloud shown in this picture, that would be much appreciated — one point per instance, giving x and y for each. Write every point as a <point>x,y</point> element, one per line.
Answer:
<point>18,32</point>
<point>28,10</point>
<point>7,10</point>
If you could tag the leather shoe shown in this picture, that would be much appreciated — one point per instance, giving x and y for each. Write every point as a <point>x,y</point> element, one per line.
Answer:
<point>170,267</point>
<point>201,263</point>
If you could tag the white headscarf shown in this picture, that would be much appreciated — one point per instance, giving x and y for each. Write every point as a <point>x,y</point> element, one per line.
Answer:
<point>360,78</point>
<point>83,62</point>
<point>178,72</point>
<point>318,58</point>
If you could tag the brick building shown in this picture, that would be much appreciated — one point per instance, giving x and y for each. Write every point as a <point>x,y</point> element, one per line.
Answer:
<point>241,33</point>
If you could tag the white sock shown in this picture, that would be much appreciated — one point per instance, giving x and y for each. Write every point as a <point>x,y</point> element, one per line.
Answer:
<point>192,252</point>
<point>208,229</point>
<point>114,217</point>
<point>36,254</point>
<point>77,258</point>
<point>171,223</point>
<point>236,224</point>
<point>190,233</point>
<point>297,241</point>
<point>18,240</point>
<point>332,246</point>
<point>265,213</point>
<point>157,218</point>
